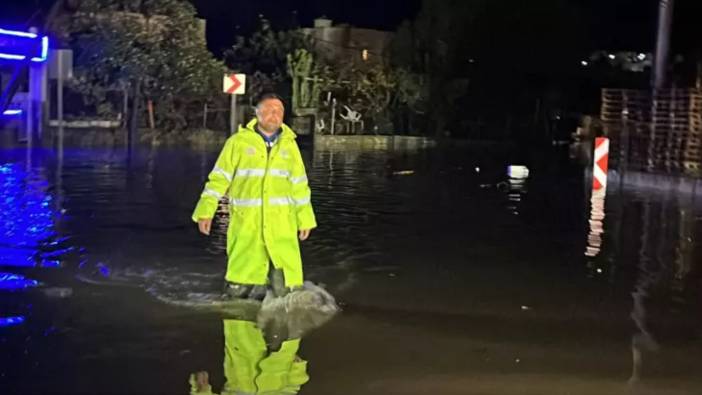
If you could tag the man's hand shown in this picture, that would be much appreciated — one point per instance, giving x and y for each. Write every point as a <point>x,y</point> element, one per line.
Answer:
<point>304,234</point>
<point>204,224</point>
<point>200,383</point>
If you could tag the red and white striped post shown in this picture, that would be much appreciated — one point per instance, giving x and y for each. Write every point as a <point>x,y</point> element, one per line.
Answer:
<point>601,162</point>
<point>597,201</point>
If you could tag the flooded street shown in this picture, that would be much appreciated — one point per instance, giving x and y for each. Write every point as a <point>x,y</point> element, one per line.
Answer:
<point>456,275</point>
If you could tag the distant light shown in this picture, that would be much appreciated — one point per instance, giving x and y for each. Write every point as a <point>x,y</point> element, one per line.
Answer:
<point>12,112</point>
<point>599,270</point>
<point>642,56</point>
<point>364,54</point>
<point>471,60</point>
<point>611,56</point>
<point>584,62</point>
<point>477,170</point>
<point>518,172</point>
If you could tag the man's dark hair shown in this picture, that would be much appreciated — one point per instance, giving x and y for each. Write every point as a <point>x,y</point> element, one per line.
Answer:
<point>269,95</point>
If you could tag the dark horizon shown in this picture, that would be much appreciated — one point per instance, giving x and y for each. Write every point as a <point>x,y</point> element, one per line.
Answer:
<point>612,25</point>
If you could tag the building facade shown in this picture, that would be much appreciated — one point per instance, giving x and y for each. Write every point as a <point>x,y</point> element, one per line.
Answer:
<point>347,43</point>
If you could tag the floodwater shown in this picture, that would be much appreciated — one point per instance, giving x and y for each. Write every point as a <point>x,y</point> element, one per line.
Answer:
<point>453,277</point>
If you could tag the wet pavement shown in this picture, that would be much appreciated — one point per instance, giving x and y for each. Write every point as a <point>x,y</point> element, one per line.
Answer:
<point>454,278</point>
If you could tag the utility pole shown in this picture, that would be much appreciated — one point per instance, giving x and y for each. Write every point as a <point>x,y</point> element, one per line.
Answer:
<point>662,56</point>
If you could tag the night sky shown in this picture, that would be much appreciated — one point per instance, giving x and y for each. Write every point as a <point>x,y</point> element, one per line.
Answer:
<point>613,24</point>
<point>631,24</point>
<point>227,18</point>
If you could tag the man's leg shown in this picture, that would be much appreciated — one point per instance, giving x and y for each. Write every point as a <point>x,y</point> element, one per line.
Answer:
<point>276,281</point>
<point>247,262</point>
<point>246,281</point>
<point>236,290</point>
<point>258,292</point>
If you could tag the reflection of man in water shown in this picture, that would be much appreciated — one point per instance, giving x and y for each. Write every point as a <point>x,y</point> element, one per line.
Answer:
<point>260,170</point>
<point>253,366</point>
<point>260,347</point>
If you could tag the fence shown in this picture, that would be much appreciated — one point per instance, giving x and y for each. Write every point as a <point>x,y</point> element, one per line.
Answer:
<point>657,131</point>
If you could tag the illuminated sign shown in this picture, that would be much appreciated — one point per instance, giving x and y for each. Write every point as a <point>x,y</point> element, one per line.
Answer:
<point>15,45</point>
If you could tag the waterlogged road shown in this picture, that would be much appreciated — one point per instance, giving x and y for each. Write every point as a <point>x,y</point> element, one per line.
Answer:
<point>454,278</point>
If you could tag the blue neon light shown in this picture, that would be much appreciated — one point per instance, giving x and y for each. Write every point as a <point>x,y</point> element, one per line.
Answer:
<point>16,45</point>
<point>10,321</point>
<point>18,33</point>
<point>12,112</point>
<point>44,50</point>
<point>12,57</point>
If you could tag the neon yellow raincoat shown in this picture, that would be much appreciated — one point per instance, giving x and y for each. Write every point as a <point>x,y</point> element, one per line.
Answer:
<point>269,201</point>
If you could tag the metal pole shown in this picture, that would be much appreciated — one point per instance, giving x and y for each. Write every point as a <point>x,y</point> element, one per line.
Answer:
<point>43,109</point>
<point>204,117</point>
<point>665,22</point>
<point>152,122</point>
<point>59,109</point>
<point>125,114</point>
<point>30,98</point>
<point>29,125</point>
<point>232,116</point>
<point>59,103</point>
<point>59,178</point>
<point>134,124</point>
<point>29,113</point>
<point>333,115</point>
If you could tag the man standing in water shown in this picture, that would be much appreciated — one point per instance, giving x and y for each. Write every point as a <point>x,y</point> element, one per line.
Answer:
<point>260,170</point>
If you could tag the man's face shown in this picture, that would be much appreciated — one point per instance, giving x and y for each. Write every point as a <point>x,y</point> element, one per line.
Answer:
<point>270,114</point>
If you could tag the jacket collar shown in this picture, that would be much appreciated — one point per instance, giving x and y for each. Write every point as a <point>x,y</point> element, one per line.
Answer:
<point>285,132</point>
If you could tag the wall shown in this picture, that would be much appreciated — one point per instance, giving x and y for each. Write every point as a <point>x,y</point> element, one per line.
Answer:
<point>371,142</point>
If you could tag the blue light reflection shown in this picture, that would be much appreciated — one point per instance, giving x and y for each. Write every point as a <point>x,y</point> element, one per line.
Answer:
<point>11,321</point>
<point>15,282</point>
<point>26,216</point>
